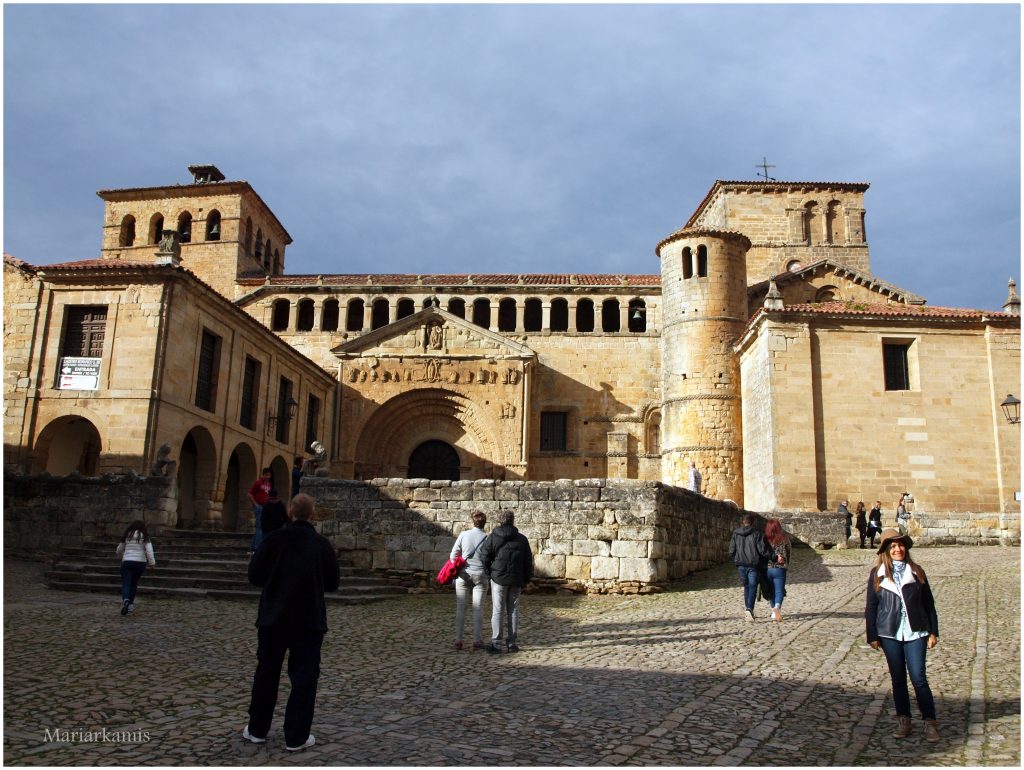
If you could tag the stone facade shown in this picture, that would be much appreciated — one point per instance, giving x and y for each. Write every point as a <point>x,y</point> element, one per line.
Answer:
<point>509,377</point>
<point>49,513</point>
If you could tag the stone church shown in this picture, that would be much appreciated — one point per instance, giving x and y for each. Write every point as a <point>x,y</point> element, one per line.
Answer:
<point>765,351</point>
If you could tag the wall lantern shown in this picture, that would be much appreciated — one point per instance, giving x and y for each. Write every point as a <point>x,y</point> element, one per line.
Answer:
<point>1011,409</point>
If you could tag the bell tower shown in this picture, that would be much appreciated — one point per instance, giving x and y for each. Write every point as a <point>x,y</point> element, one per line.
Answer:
<point>704,295</point>
<point>223,228</point>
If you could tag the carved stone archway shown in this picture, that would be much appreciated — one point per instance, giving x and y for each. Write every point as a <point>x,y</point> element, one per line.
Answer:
<point>431,414</point>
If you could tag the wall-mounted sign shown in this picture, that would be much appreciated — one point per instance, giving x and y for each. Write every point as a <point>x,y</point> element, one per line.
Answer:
<point>79,374</point>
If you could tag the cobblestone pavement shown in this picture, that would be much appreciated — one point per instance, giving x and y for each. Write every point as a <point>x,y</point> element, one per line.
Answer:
<point>670,679</point>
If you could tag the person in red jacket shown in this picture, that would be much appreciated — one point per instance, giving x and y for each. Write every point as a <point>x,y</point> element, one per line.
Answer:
<point>259,493</point>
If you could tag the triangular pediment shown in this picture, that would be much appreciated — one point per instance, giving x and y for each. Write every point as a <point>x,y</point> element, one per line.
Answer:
<point>433,332</point>
<point>827,280</point>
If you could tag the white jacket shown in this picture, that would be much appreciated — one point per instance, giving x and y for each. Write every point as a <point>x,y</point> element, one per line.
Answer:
<point>134,549</point>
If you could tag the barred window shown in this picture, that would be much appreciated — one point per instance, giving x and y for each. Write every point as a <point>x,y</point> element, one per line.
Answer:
<point>209,364</point>
<point>897,369</point>
<point>250,393</point>
<point>83,335</point>
<point>553,431</point>
<point>312,419</point>
<point>284,421</point>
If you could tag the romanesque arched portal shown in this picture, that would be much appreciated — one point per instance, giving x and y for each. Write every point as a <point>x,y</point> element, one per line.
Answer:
<point>398,427</point>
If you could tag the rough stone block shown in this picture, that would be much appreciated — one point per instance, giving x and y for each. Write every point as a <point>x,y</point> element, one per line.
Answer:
<point>604,568</point>
<point>641,570</point>
<point>549,565</point>
<point>630,548</point>
<point>577,567</point>
<point>591,548</point>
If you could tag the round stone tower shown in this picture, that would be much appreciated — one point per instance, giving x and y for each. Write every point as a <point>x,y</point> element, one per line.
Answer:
<point>704,300</point>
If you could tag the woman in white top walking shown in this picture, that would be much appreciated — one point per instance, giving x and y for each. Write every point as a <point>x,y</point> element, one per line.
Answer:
<point>136,551</point>
<point>470,576</point>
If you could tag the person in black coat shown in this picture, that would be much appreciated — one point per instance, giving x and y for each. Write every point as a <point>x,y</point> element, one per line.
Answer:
<point>750,553</point>
<point>274,515</point>
<point>508,562</point>
<point>294,566</point>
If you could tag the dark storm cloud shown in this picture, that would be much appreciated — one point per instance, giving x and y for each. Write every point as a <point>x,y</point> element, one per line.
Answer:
<point>523,138</point>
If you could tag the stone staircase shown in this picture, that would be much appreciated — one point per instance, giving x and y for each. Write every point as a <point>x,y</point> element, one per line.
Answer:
<point>193,563</point>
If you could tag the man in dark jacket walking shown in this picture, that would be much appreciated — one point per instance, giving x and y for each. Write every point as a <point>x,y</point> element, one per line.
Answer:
<point>508,563</point>
<point>294,565</point>
<point>749,550</point>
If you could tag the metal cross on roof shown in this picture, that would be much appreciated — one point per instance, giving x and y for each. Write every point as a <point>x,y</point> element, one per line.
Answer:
<point>765,165</point>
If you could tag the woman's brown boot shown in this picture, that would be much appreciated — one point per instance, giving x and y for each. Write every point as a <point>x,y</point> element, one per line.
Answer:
<point>931,731</point>
<point>903,727</point>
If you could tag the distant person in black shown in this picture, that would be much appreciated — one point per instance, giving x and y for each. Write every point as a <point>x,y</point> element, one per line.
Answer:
<point>274,514</point>
<point>297,473</point>
<point>294,566</point>
<point>508,562</point>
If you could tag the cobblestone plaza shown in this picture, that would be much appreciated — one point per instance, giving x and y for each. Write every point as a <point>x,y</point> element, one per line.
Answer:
<point>676,678</point>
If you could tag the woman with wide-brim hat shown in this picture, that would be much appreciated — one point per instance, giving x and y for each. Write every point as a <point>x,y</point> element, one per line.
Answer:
<point>902,622</point>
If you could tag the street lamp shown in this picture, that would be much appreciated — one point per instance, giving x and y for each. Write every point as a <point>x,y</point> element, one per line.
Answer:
<point>1011,409</point>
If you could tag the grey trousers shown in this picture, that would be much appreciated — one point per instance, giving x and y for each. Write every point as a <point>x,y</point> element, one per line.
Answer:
<point>504,606</point>
<point>478,583</point>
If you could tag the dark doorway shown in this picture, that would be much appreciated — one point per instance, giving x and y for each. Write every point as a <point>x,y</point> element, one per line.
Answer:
<point>434,460</point>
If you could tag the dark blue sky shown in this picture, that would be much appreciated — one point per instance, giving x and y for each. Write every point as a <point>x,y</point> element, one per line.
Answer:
<point>533,138</point>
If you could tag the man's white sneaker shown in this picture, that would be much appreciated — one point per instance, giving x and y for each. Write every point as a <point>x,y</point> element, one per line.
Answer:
<point>749,615</point>
<point>309,742</point>
<point>250,737</point>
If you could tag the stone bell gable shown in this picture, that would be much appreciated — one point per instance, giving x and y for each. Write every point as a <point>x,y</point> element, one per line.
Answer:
<point>434,379</point>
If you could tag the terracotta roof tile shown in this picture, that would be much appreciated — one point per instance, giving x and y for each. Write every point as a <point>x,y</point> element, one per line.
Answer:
<point>883,309</point>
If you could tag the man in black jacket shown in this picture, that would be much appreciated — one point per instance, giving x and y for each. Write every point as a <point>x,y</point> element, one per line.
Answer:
<point>508,562</point>
<point>749,550</point>
<point>294,565</point>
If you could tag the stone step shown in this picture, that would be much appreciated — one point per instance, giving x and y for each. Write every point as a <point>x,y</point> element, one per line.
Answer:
<point>67,569</point>
<point>201,593</point>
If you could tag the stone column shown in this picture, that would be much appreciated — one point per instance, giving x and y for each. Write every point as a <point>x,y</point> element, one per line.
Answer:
<point>367,314</point>
<point>623,317</point>
<point>318,314</point>
<point>520,315</point>
<point>545,312</point>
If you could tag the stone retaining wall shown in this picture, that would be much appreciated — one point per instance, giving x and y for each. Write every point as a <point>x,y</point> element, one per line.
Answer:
<point>965,528</point>
<point>49,513</point>
<point>593,535</point>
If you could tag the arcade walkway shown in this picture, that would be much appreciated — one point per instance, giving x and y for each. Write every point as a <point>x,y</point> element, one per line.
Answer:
<point>671,679</point>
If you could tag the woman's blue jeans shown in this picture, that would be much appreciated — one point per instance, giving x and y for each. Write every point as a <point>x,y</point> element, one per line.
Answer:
<point>131,571</point>
<point>904,657</point>
<point>778,577</point>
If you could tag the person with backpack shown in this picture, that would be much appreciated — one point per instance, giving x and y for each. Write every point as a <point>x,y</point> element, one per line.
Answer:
<point>136,551</point>
<point>508,563</point>
<point>471,577</point>
<point>875,522</point>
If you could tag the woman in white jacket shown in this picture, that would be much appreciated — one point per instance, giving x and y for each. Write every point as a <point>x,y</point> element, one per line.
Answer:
<point>136,551</point>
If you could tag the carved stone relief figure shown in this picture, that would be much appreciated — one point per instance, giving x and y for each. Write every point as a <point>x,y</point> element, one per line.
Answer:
<point>508,411</point>
<point>435,337</point>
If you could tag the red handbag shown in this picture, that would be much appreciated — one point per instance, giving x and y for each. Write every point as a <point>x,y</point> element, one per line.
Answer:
<point>450,570</point>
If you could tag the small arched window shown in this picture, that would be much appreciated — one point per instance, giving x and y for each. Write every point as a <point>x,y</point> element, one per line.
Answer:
<point>279,318</point>
<point>585,315</point>
<point>248,234</point>
<point>687,263</point>
<point>457,307</point>
<point>277,262</point>
<point>637,316</point>
<point>559,321</point>
<point>610,316</point>
<point>835,232</point>
<point>213,226</point>
<point>507,315</point>
<point>482,312</point>
<point>267,257</point>
<point>329,320</point>
<point>810,216</point>
<point>156,228</point>
<point>828,294</point>
<point>379,315</point>
<point>258,253</point>
<point>185,227</point>
<point>653,434</point>
<point>354,316</point>
<point>406,307</point>
<point>702,261</point>
<point>304,317</point>
<point>127,236</point>
<point>533,315</point>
